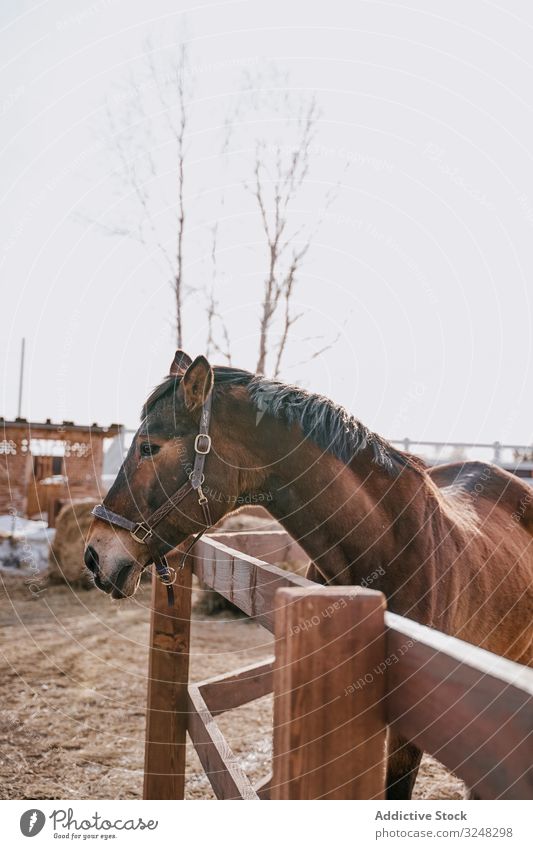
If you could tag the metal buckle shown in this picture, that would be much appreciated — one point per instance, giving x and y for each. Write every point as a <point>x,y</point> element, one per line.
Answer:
<point>169,579</point>
<point>202,477</point>
<point>197,443</point>
<point>141,532</point>
<point>202,499</point>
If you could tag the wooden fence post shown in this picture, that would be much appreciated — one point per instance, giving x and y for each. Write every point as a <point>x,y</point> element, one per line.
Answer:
<point>168,676</point>
<point>329,694</point>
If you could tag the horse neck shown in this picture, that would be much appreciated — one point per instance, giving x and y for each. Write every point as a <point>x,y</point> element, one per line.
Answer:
<point>350,519</point>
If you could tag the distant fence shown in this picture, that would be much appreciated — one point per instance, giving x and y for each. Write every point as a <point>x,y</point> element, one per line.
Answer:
<point>344,669</point>
<point>497,449</point>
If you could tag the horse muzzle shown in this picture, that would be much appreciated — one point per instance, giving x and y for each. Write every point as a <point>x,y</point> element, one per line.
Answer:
<point>121,583</point>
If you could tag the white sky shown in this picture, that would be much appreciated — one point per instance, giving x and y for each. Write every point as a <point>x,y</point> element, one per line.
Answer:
<point>424,262</point>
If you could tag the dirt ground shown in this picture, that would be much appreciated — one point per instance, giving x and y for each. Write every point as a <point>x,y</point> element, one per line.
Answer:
<point>73,693</point>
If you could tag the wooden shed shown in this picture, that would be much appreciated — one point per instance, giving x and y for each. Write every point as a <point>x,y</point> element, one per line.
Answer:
<point>44,464</point>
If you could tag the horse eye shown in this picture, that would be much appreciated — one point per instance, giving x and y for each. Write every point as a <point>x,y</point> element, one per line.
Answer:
<point>148,449</point>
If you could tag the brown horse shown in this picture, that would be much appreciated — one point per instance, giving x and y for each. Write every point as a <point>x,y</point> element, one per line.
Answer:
<point>450,547</point>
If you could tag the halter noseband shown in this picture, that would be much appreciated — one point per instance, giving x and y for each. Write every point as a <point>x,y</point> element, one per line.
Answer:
<point>143,532</point>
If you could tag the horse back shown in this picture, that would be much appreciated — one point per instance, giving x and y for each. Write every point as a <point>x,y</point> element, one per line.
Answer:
<point>485,481</point>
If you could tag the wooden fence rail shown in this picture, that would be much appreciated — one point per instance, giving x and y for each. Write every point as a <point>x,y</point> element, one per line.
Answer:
<point>471,709</point>
<point>344,669</point>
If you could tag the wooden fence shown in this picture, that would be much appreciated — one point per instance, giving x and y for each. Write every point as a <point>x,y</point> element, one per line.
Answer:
<point>344,669</point>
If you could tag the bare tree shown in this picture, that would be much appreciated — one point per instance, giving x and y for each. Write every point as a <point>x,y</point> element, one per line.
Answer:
<point>287,248</point>
<point>175,101</point>
<point>179,134</point>
<point>133,145</point>
<point>214,313</point>
<point>278,174</point>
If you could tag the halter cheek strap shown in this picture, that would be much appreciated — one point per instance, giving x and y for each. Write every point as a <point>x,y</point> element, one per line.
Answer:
<point>143,531</point>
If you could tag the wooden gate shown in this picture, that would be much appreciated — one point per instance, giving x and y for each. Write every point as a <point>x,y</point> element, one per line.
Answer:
<point>344,669</point>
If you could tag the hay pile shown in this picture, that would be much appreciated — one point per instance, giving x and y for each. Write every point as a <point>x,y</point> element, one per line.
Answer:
<point>65,560</point>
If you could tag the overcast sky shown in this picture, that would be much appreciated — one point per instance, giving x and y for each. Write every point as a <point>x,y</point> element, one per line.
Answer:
<point>423,263</point>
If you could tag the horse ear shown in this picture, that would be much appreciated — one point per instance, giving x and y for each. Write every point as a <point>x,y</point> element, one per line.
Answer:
<point>197,383</point>
<point>180,363</point>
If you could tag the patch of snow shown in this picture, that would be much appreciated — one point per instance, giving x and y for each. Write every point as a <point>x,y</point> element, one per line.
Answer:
<point>24,545</point>
<point>17,527</point>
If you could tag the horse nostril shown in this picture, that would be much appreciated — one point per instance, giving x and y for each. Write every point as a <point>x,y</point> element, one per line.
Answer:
<point>91,559</point>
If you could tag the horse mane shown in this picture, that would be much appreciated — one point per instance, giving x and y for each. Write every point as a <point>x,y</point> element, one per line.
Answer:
<point>328,424</point>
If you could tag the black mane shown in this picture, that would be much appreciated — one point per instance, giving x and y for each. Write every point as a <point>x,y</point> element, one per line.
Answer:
<point>326,423</point>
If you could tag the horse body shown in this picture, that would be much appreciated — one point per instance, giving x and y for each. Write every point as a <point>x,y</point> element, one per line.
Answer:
<point>494,606</point>
<point>449,547</point>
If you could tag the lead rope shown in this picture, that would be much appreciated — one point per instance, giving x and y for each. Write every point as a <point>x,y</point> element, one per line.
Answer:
<point>167,574</point>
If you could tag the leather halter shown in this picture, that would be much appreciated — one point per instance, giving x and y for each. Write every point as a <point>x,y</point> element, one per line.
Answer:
<point>143,531</point>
